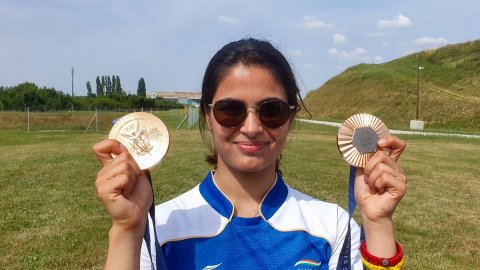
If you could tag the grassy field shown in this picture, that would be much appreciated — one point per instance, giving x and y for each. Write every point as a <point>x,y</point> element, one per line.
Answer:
<point>52,219</point>
<point>449,96</point>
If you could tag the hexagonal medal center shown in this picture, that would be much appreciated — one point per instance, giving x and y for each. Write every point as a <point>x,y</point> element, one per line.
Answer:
<point>365,140</point>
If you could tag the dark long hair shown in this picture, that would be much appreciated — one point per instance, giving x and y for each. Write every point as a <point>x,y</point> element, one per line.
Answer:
<point>247,52</point>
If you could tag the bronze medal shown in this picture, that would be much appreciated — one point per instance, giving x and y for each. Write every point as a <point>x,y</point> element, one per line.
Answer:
<point>144,135</point>
<point>357,138</point>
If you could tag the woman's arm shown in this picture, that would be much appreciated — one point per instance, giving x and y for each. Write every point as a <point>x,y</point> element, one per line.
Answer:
<point>126,193</point>
<point>379,187</point>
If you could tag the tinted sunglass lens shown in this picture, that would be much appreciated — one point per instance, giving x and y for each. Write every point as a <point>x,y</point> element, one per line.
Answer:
<point>274,114</point>
<point>229,113</point>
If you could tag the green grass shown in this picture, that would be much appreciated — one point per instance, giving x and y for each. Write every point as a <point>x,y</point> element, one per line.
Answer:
<point>52,219</point>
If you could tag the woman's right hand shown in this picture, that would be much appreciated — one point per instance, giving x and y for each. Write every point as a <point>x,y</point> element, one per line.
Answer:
<point>122,186</point>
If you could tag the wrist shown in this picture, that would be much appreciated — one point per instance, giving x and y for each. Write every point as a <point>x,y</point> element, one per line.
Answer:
<point>124,245</point>
<point>380,237</point>
<point>121,233</point>
<point>117,231</point>
<point>374,262</point>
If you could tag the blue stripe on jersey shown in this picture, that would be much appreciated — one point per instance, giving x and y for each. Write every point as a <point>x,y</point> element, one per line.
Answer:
<point>215,198</point>
<point>274,199</point>
<point>272,202</point>
<point>249,243</point>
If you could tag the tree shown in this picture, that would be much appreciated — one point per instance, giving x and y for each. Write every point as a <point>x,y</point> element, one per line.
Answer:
<point>141,90</point>
<point>114,84</point>
<point>99,87</point>
<point>89,89</point>
<point>104,90</point>
<point>118,86</point>
<point>108,82</point>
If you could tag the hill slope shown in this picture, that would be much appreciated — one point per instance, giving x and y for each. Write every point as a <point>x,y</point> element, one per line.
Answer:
<point>449,90</point>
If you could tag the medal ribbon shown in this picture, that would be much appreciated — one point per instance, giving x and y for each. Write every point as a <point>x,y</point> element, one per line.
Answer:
<point>159,260</point>
<point>344,260</point>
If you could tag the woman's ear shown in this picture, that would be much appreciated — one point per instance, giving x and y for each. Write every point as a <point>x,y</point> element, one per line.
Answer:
<point>292,121</point>
<point>208,118</point>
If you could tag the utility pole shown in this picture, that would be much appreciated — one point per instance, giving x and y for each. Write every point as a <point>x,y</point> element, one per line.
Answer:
<point>418,87</point>
<point>72,81</point>
<point>417,123</point>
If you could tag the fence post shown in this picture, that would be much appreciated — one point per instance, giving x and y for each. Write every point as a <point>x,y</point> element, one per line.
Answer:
<point>96,120</point>
<point>28,119</point>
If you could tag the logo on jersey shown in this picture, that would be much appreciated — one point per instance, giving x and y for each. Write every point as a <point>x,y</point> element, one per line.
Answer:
<point>307,264</point>
<point>211,267</point>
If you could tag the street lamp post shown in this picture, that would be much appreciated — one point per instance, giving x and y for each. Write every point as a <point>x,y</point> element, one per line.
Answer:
<point>417,123</point>
<point>418,89</point>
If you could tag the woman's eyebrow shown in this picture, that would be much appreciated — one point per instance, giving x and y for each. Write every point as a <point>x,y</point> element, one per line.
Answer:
<point>269,99</point>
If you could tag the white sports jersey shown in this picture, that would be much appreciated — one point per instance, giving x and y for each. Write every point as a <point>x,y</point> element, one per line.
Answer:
<point>198,230</point>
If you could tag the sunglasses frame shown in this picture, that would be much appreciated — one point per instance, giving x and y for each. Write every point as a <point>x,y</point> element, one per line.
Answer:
<point>292,108</point>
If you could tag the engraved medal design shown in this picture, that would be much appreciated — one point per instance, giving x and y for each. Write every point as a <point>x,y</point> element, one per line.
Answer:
<point>144,135</point>
<point>357,138</point>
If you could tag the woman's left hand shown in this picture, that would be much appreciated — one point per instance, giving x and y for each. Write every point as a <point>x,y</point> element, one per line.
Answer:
<point>381,185</point>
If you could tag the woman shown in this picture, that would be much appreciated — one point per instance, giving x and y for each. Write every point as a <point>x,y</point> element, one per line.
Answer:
<point>243,215</point>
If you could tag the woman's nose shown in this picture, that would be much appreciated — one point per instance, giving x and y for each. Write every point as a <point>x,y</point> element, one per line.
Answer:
<point>252,124</point>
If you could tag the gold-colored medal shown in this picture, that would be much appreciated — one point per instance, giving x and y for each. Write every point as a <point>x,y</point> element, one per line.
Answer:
<point>144,135</point>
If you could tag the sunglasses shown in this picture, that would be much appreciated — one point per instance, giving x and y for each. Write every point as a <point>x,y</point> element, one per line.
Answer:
<point>230,113</point>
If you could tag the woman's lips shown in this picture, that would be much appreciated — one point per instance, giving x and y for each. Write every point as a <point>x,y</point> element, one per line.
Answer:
<point>251,147</point>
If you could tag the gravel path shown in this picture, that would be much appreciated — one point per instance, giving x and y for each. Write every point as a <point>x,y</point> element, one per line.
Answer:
<point>393,131</point>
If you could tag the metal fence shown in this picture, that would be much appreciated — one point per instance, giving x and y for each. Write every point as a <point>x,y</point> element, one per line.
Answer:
<point>98,120</point>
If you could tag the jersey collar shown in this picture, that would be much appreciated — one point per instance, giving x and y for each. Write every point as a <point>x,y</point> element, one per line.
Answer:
<point>272,201</point>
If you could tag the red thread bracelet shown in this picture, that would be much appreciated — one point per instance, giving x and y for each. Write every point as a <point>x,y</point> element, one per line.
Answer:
<point>392,261</point>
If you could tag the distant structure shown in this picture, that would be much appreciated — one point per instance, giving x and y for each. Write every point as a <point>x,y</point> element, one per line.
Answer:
<point>179,97</point>
<point>72,81</point>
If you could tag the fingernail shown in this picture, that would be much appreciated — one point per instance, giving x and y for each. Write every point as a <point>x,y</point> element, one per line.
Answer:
<point>382,141</point>
<point>122,147</point>
<point>365,179</point>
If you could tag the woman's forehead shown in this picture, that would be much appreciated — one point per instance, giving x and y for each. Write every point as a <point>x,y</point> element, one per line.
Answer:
<point>249,82</point>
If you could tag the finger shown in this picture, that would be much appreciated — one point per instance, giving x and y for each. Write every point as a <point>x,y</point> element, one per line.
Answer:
<point>380,177</point>
<point>380,157</point>
<point>362,182</point>
<point>110,172</point>
<point>120,164</point>
<point>385,178</point>
<point>120,185</point>
<point>103,150</point>
<point>393,143</point>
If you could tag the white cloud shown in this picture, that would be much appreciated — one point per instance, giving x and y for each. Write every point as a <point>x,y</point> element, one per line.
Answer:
<point>313,23</point>
<point>308,65</point>
<point>357,54</point>
<point>339,39</point>
<point>294,53</point>
<point>430,41</point>
<point>378,59</point>
<point>229,20</point>
<point>333,51</point>
<point>360,51</point>
<point>399,21</point>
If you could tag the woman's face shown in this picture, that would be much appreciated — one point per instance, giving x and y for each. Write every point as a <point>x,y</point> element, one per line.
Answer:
<point>249,147</point>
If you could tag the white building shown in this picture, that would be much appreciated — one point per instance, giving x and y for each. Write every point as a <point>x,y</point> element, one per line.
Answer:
<point>180,97</point>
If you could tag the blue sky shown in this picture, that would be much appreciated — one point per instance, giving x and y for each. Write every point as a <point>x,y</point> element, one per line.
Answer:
<point>169,42</point>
